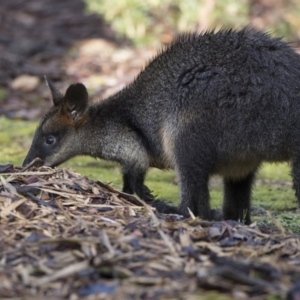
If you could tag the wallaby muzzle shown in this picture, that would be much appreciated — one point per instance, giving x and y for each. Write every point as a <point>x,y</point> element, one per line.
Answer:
<point>36,162</point>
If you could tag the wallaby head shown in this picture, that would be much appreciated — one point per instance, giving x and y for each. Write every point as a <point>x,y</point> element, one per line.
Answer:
<point>56,139</point>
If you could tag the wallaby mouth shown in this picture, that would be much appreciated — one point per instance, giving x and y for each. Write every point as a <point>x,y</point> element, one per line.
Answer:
<point>37,162</point>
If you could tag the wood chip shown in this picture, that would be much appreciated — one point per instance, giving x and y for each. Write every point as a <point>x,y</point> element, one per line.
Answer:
<point>63,236</point>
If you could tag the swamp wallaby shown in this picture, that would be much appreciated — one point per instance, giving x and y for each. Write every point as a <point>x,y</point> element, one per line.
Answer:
<point>211,103</point>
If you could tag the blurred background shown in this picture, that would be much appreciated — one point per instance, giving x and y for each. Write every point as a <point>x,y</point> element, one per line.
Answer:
<point>157,21</point>
<point>104,44</point>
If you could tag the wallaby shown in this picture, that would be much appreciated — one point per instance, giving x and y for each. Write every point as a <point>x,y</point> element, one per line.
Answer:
<point>211,103</point>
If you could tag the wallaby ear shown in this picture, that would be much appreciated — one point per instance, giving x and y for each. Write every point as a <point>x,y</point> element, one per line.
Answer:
<point>76,100</point>
<point>57,97</point>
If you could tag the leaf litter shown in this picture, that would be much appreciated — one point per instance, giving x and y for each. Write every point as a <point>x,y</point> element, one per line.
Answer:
<point>63,236</point>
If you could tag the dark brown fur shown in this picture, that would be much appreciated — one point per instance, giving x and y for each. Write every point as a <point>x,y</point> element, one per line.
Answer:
<point>214,103</point>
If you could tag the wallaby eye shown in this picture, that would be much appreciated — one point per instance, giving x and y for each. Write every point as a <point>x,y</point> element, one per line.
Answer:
<point>50,140</point>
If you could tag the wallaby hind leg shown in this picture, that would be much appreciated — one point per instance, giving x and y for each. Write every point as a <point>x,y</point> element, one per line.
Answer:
<point>237,193</point>
<point>193,172</point>
<point>194,194</point>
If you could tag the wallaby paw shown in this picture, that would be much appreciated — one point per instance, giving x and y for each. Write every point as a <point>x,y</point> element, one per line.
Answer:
<point>165,207</point>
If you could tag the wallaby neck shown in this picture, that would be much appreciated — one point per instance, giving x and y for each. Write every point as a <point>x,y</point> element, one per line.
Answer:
<point>105,130</point>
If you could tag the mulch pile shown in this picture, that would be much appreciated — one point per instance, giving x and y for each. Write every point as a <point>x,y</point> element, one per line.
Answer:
<point>63,236</point>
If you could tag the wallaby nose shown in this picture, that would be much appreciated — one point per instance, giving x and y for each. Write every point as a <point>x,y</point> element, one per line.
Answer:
<point>36,162</point>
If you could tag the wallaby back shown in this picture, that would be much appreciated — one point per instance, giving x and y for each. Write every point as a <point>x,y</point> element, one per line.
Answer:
<point>211,103</point>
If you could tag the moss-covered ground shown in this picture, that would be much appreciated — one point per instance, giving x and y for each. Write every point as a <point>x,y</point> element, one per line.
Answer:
<point>273,189</point>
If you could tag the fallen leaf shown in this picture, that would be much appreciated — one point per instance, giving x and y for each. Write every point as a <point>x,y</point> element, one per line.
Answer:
<point>25,83</point>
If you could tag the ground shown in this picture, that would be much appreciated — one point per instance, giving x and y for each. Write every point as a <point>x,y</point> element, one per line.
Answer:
<point>63,236</point>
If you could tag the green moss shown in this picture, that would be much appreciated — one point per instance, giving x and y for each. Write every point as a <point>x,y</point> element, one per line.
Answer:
<point>279,171</point>
<point>210,295</point>
<point>2,94</point>
<point>15,139</point>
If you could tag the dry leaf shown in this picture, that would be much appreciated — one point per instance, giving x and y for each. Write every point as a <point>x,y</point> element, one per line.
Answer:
<point>25,83</point>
